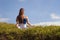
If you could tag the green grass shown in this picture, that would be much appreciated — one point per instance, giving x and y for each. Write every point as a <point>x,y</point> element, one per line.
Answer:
<point>11,32</point>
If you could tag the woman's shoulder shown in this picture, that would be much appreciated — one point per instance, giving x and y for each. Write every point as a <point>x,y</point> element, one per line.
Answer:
<point>26,17</point>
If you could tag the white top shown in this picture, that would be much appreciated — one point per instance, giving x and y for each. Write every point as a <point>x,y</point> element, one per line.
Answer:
<point>21,26</point>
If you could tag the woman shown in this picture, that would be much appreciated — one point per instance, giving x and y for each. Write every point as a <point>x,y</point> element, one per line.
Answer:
<point>22,20</point>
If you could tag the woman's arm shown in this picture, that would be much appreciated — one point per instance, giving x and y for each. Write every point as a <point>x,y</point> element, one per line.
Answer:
<point>28,22</point>
<point>17,22</point>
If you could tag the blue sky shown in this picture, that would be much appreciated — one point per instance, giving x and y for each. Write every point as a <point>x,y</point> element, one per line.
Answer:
<point>37,10</point>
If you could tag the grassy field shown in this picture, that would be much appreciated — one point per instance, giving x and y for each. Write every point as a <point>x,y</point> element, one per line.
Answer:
<point>11,32</point>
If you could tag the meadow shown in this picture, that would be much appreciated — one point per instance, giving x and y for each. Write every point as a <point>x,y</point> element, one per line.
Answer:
<point>9,31</point>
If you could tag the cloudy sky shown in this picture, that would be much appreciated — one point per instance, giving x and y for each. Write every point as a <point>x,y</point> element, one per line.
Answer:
<point>38,11</point>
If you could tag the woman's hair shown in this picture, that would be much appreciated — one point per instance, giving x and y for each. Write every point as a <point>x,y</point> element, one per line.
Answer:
<point>19,17</point>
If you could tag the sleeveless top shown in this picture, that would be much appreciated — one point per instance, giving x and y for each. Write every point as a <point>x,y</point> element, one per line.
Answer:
<point>23,25</point>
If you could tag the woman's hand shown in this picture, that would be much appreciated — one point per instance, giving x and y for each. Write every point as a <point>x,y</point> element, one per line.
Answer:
<point>17,25</point>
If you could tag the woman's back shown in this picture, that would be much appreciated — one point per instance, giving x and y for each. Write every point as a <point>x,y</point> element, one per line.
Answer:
<point>23,24</point>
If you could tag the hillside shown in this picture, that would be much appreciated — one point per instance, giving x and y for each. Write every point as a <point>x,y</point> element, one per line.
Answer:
<point>11,32</point>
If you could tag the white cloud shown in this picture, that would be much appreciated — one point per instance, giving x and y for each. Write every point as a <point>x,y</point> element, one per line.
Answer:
<point>4,19</point>
<point>54,16</point>
<point>48,23</point>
